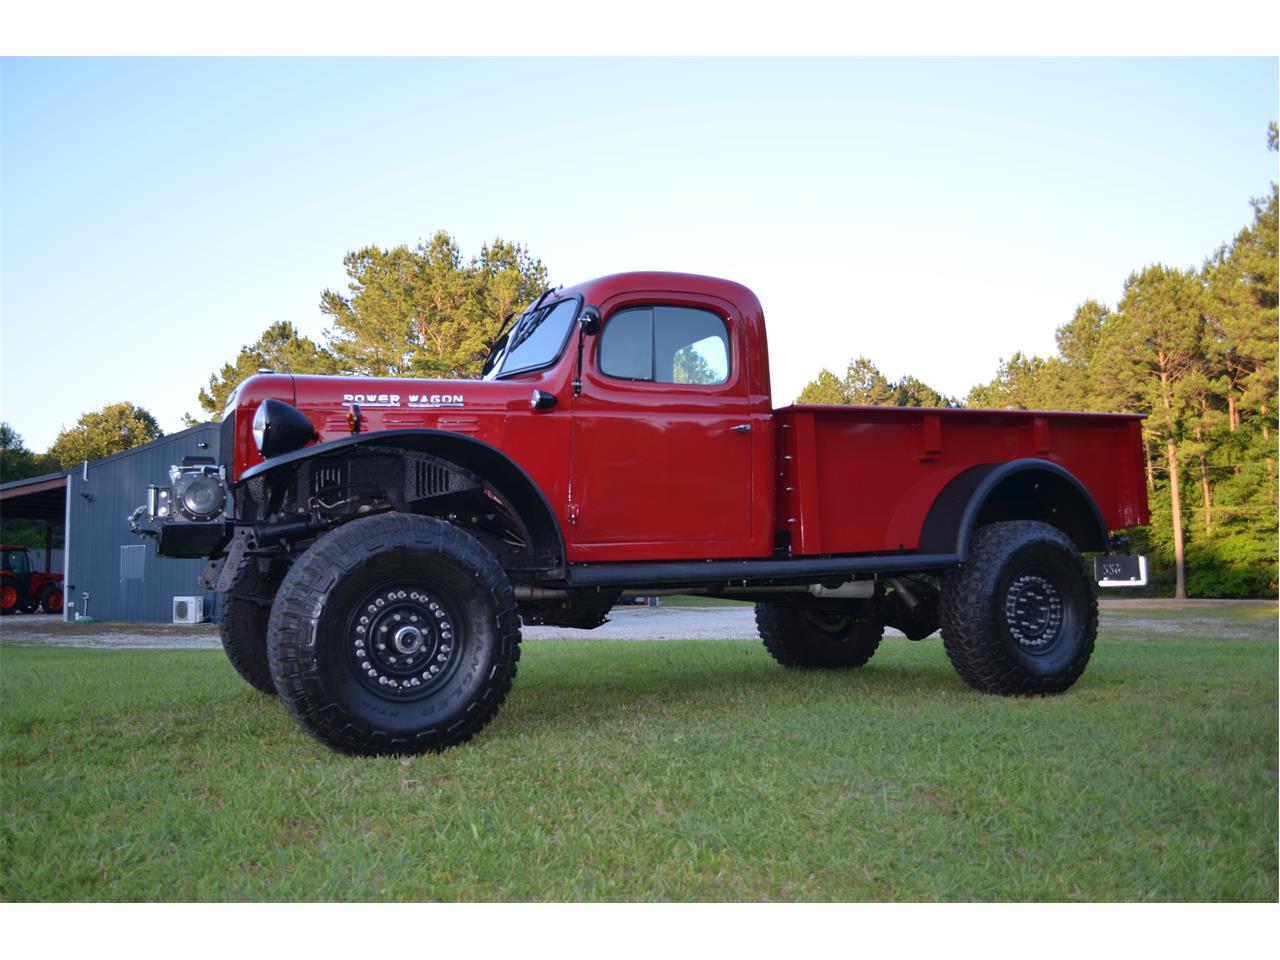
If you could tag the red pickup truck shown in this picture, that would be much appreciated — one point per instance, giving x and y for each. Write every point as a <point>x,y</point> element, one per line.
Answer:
<point>378,541</point>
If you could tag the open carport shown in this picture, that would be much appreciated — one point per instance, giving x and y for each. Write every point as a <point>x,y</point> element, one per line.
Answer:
<point>108,573</point>
<point>42,498</point>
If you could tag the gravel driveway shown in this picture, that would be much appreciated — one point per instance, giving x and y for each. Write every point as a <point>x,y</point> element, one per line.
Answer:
<point>625,623</point>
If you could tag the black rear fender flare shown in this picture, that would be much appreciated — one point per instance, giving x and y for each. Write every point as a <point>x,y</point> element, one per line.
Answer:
<point>1025,489</point>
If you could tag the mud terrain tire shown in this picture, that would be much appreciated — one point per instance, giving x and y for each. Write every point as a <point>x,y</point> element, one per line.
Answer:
<point>816,639</point>
<point>395,634</point>
<point>1021,615</point>
<point>243,612</point>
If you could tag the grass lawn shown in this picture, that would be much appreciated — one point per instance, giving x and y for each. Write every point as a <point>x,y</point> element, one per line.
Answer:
<point>693,600</point>
<point>667,771</point>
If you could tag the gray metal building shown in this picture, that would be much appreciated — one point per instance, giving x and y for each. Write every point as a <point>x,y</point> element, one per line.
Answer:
<point>109,573</point>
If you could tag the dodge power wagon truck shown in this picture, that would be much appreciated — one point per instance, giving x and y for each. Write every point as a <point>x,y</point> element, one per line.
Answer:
<point>378,542</point>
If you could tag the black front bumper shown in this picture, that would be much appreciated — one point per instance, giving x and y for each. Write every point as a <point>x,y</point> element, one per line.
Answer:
<point>192,539</point>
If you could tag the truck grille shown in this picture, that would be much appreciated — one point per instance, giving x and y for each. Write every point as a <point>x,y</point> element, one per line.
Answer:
<point>325,476</point>
<point>429,479</point>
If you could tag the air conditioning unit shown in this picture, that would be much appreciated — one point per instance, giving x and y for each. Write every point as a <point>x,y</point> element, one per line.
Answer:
<point>188,609</point>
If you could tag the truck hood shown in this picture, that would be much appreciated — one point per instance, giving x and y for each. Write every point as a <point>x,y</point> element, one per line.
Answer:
<point>335,405</point>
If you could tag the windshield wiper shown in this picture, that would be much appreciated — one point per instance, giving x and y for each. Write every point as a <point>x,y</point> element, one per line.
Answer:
<point>503,344</point>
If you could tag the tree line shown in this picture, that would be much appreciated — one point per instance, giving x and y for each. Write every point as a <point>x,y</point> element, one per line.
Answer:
<point>1194,349</point>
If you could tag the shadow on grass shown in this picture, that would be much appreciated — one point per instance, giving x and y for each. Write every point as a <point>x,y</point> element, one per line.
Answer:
<point>548,697</point>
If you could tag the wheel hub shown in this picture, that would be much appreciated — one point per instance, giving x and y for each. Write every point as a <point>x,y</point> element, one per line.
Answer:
<point>402,641</point>
<point>1033,611</point>
<point>408,640</point>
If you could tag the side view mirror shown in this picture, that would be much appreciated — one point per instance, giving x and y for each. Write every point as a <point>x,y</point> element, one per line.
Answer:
<point>588,323</point>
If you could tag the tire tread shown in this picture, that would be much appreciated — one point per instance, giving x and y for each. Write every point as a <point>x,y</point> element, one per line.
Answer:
<point>294,620</point>
<point>797,645</point>
<point>967,613</point>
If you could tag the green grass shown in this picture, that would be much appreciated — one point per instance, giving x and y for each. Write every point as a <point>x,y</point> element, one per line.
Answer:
<point>668,771</point>
<point>693,600</point>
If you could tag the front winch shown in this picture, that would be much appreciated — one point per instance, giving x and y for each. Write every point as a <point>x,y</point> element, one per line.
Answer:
<point>186,517</point>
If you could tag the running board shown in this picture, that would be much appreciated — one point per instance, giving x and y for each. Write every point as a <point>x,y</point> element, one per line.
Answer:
<point>738,573</point>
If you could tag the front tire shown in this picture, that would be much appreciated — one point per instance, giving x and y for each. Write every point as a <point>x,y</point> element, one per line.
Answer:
<point>243,612</point>
<point>1021,615</point>
<point>395,634</point>
<point>811,639</point>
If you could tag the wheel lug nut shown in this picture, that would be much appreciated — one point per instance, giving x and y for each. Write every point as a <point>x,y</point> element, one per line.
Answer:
<point>382,646</point>
<point>396,617</point>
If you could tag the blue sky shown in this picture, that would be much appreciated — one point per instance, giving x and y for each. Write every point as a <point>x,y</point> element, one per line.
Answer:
<point>934,215</point>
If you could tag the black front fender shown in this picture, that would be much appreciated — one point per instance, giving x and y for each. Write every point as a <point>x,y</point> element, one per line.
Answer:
<point>507,478</point>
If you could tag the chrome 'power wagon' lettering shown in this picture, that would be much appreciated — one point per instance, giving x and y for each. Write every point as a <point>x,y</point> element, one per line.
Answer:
<point>393,399</point>
<point>371,399</point>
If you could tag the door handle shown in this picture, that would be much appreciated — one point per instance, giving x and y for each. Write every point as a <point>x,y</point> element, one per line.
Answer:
<point>741,428</point>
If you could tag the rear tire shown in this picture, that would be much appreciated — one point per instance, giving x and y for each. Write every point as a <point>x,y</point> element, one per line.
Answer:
<point>243,612</point>
<point>10,595</point>
<point>1021,615</point>
<point>395,634</point>
<point>816,639</point>
<point>51,600</point>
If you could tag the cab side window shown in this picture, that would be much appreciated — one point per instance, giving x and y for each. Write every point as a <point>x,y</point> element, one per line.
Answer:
<point>666,345</point>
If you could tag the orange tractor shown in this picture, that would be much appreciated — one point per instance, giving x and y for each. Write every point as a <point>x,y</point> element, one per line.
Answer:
<point>22,589</point>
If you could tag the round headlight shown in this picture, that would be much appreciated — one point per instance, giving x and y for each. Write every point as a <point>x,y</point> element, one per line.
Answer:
<point>280,428</point>
<point>260,426</point>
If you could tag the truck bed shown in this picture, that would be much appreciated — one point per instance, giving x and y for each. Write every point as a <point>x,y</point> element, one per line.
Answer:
<point>862,479</point>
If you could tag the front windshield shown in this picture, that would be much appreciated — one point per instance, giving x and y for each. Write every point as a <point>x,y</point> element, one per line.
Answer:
<point>537,338</point>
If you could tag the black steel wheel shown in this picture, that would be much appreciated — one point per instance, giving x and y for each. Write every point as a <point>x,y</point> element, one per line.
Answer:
<point>243,612</point>
<point>1021,615</point>
<point>394,634</point>
<point>811,639</point>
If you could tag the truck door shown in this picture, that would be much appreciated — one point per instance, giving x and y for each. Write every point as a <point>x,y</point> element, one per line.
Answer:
<point>661,458</point>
